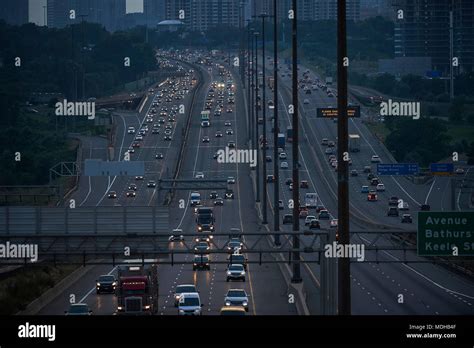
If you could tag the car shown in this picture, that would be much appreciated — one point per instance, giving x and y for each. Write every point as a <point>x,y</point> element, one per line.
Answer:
<point>131,150</point>
<point>281,206</point>
<point>364,189</point>
<point>213,195</point>
<point>131,194</point>
<point>332,144</point>
<point>229,132</point>
<point>131,130</point>
<point>237,297</point>
<point>106,283</point>
<point>219,134</point>
<point>167,138</point>
<point>136,144</point>
<point>218,201</point>
<point>380,187</point>
<point>333,223</point>
<point>314,224</point>
<point>229,194</point>
<point>354,172</point>
<point>393,201</point>
<point>155,131</point>
<point>459,171</point>
<point>230,180</point>
<point>374,182</point>
<point>139,177</point>
<point>370,176</point>
<point>425,207</point>
<point>324,215</point>
<point>306,101</point>
<point>304,184</point>
<point>289,181</point>
<point>235,272</point>
<point>282,156</point>
<point>268,158</point>
<point>231,144</point>
<point>205,124</point>
<point>112,194</point>
<point>375,159</point>
<point>270,178</point>
<point>176,235</point>
<point>284,165</point>
<point>159,156</point>
<point>308,219</point>
<point>206,139</point>
<point>201,262</point>
<point>229,110</point>
<point>372,197</point>
<point>320,207</point>
<point>402,205</point>
<point>287,219</point>
<point>392,211</point>
<point>183,288</point>
<point>78,309</point>
<point>234,245</point>
<point>151,184</point>
<point>189,303</point>
<point>325,141</point>
<point>232,310</point>
<point>216,155</point>
<point>139,137</point>
<point>132,187</point>
<point>303,213</point>
<point>228,123</point>
<point>290,187</point>
<point>199,175</point>
<point>328,151</point>
<point>202,247</point>
<point>407,219</point>
<point>367,169</point>
<point>237,258</point>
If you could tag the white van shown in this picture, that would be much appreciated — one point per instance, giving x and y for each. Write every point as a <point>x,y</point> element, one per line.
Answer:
<point>189,304</point>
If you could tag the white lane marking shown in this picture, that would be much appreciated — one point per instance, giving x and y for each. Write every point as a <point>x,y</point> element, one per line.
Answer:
<point>429,192</point>
<point>90,181</point>
<point>423,276</point>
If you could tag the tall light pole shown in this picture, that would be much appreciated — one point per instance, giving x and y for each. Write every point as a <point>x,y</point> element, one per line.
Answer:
<point>296,191</point>
<point>44,15</point>
<point>344,271</point>
<point>276,128</point>
<point>257,198</point>
<point>264,117</point>
<point>249,84</point>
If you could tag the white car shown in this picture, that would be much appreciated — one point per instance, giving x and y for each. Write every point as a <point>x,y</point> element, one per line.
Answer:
<point>237,297</point>
<point>199,175</point>
<point>306,101</point>
<point>308,219</point>
<point>177,234</point>
<point>282,156</point>
<point>380,188</point>
<point>375,159</point>
<point>131,130</point>
<point>189,303</point>
<point>284,165</point>
<point>230,180</point>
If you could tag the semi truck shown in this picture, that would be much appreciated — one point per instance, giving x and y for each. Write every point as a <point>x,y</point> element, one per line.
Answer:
<point>289,134</point>
<point>354,142</point>
<point>137,291</point>
<point>281,140</point>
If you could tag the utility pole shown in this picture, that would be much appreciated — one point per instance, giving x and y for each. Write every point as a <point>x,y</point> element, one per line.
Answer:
<point>257,198</point>
<point>296,188</point>
<point>44,15</point>
<point>241,46</point>
<point>249,85</point>
<point>264,117</point>
<point>451,54</point>
<point>344,271</point>
<point>276,128</point>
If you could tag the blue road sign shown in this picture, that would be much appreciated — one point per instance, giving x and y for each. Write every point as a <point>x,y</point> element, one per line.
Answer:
<point>442,168</point>
<point>397,169</point>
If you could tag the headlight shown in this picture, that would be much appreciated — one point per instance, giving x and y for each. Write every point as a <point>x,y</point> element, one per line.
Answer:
<point>212,228</point>
<point>181,311</point>
<point>227,303</point>
<point>147,307</point>
<point>243,273</point>
<point>228,273</point>
<point>197,311</point>
<point>176,297</point>
<point>199,228</point>
<point>119,308</point>
<point>114,284</point>
<point>245,303</point>
<point>98,284</point>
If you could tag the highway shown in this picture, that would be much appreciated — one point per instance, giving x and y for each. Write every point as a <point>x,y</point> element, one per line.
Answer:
<point>427,288</point>
<point>236,213</point>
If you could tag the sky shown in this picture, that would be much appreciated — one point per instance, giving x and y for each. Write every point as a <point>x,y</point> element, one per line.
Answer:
<point>37,14</point>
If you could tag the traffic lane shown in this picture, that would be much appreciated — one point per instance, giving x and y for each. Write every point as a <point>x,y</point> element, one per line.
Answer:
<point>78,289</point>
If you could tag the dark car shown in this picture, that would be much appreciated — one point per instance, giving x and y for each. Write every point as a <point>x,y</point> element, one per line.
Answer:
<point>370,176</point>
<point>374,182</point>
<point>407,219</point>
<point>287,219</point>
<point>270,178</point>
<point>314,224</point>
<point>213,195</point>
<point>201,262</point>
<point>106,283</point>
<point>237,259</point>
<point>425,207</point>
<point>393,201</point>
<point>229,194</point>
<point>392,211</point>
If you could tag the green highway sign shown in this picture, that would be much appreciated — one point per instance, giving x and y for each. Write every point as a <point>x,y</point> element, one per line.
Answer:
<point>439,233</point>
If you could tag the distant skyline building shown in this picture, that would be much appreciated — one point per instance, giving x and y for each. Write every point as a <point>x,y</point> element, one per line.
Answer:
<point>14,12</point>
<point>424,32</point>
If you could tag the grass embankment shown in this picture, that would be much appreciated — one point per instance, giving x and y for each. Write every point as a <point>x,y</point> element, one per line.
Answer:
<point>27,284</point>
